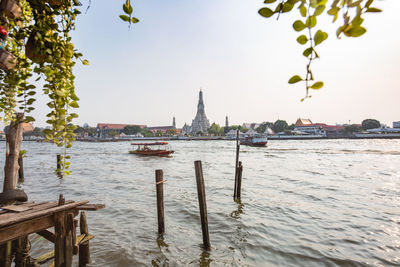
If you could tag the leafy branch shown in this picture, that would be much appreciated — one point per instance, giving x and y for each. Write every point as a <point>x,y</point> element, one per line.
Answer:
<point>309,10</point>
<point>128,9</point>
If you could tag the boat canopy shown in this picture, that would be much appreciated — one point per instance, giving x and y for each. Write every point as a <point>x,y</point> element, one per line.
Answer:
<point>150,144</point>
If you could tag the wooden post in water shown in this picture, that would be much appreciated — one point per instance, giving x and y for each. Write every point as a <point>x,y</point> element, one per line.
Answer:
<point>59,165</point>
<point>239,181</point>
<point>84,250</point>
<point>21,169</point>
<point>202,204</point>
<point>160,201</point>
<point>236,163</point>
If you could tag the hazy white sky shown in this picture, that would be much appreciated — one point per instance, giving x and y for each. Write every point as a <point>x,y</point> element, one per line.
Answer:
<point>241,60</point>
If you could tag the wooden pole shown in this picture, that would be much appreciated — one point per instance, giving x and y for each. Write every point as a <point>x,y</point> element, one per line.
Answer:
<point>236,163</point>
<point>21,169</point>
<point>22,251</point>
<point>202,204</point>
<point>5,254</point>
<point>59,232</point>
<point>69,239</point>
<point>14,140</point>
<point>239,183</point>
<point>59,165</point>
<point>160,201</point>
<point>84,249</point>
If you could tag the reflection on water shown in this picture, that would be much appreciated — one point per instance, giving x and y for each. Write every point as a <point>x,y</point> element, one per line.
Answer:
<point>304,202</point>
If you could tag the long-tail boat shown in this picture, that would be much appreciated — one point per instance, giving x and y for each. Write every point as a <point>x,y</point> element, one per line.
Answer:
<point>151,149</point>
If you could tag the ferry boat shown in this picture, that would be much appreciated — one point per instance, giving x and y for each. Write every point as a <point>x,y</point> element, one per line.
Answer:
<point>151,149</point>
<point>254,140</point>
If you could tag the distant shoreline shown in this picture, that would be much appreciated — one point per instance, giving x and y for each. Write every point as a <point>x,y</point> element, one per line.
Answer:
<point>223,138</point>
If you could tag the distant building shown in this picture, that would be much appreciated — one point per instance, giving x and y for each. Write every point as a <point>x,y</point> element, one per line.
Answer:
<point>104,129</point>
<point>396,124</point>
<point>226,122</point>
<point>323,129</point>
<point>200,123</point>
<point>302,122</point>
<point>164,129</point>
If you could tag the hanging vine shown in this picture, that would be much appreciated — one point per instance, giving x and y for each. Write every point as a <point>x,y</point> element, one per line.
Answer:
<point>40,43</point>
<point>352,11</point>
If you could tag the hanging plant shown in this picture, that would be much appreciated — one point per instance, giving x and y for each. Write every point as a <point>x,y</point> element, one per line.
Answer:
<point>42,46</point>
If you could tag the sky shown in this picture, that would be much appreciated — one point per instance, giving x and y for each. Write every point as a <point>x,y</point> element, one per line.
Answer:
<point>242,61</point>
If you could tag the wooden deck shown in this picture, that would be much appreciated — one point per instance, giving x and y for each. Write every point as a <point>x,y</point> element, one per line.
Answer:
<point>18,221</point>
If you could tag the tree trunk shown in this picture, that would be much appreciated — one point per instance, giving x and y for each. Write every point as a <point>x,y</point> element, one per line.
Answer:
<point>14,140</point>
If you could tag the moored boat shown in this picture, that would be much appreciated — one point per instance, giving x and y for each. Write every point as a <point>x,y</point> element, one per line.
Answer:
<point>152,149</point>
<point>255,140</point>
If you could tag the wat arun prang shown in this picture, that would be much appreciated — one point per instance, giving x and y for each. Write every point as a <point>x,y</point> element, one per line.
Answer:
<point>200,122</point>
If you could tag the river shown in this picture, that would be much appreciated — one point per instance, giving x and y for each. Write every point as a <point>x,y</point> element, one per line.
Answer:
<point>304,202</point>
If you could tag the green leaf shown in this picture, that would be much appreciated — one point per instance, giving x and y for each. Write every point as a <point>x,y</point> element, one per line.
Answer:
<point>333,11</point>
<point>311,21</point>
<point>29,119</point>
<point>356,32</point>
<point>298,25</point>
<point>303,10</point>
<point>287,7</point>
<point>302,39</point>
<point>130,10</point>
<point>125,7</point>
<point>269,1</point>
<point>369,2</point>
<point>74,104</point>
<point>295,79</point>
<point>85,62</point>
<point>124,17</point>
<point>307,52</point>
<point>373,9</point>
<point>266,12</point>
<point>135,20</point>
<point>318,11</point>
<point>319,37</point>
<point>278,7</point>
<point>317,85</point>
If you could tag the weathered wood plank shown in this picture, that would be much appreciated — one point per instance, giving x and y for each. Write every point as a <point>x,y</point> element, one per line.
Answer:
<point>16,218</point>
<point>38,207</point>
<point>91,207</point>
<point>48,235</point>
<point>45,257</point>
<point>16,208</point>
<point>25,228</point>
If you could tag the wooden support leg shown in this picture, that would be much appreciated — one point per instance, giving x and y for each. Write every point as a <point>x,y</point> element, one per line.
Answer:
<point>59,245</point>
<point>84,249</point>
<point>5,254</point>
<point>22,252</point>
<point>69,240</point>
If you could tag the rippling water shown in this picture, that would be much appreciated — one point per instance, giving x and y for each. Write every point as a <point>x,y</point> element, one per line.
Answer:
<point>304,203</point>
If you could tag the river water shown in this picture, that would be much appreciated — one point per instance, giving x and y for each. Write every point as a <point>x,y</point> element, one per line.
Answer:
<point>304,202</point>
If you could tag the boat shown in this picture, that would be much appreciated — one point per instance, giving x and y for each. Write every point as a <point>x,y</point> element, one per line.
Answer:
<point>254,140</point>
<point>151,149</point>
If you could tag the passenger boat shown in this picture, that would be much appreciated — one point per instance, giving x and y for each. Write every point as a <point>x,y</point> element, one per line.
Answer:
<point>151,149</point>
<point>254,140</point>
